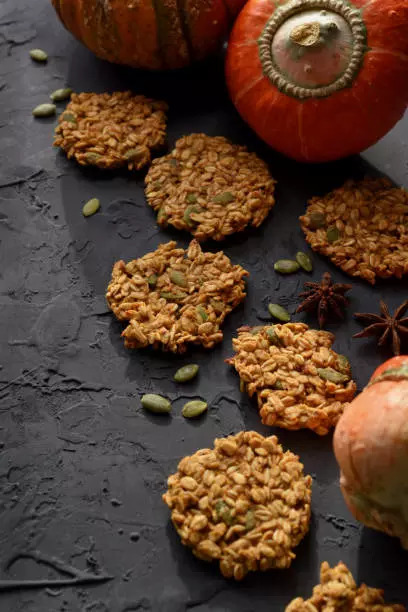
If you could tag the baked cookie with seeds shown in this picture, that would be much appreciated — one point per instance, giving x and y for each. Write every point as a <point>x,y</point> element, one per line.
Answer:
<point>210,187</point>
<point>111,130</point>
<point>337,592</point>
<point>362,227</point>
<point>244,503</point>
<point>300,382</point>
<point>174,297</point>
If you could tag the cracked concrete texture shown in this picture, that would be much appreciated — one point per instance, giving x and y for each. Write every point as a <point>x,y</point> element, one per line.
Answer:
<point>82,468</point>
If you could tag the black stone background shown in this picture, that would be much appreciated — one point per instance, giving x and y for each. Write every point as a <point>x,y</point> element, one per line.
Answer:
<point>81,466</point>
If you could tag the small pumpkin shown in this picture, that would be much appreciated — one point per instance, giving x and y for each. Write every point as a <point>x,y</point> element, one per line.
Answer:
<point>320,79</point>
<point>371,447</point>
<point>149,34</point>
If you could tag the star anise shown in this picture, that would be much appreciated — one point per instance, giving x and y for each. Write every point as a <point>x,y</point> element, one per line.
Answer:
<point>390,328</point>
<point>326,298</point>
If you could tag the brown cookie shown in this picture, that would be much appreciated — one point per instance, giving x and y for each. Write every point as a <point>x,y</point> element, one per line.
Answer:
<point>244,503</point>
<point>210,187</point>
<point>299,381</point>
<point>172,297</point>
<point>337,592</point>
<point>111,130</point>
<point>362,227</point>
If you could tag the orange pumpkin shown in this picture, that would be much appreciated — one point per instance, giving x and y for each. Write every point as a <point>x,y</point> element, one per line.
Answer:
<point>320,79</point>
<point>151,34</point>
<point>371,447</point>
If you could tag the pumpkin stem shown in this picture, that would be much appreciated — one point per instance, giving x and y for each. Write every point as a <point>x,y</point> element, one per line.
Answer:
<point>306,34</point>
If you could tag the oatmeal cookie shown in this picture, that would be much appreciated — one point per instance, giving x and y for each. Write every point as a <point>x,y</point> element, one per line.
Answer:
<point>111,130</point>
<point>172,297</point>
<point>299,381</point>
<point>337,592</point>
<point>362,227</point>
<point>210,187</point>
<point>244,503</point>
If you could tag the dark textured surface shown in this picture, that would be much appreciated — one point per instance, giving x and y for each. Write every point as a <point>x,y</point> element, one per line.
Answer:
<point>82,468</point>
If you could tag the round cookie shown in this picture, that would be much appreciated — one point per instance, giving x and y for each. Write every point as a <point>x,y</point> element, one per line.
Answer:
<point>362,227</point>
<point>172,297</point>
<point>244,503</point>
<point>299,381</point>
<point>338,591</point>
<point>210,187</point>
<point>111,130</point>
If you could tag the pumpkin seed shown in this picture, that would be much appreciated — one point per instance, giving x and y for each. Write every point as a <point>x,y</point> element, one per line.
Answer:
<point>156,185</point>
<point>278,312</point>
<point>156,403</point>
<point>242,386</point>
<point>186,373</point>
<point>162,216</point>
<point>255,330</point>
<point>152,281</point>
<point>317,220</point>
<point>91,207</point>
<point>304,261</point>
<point>69,117</point>
<point>38,55</point>
<point>343,362</point>
<point>59,95</point>
<point>224,198</point>
<point>332,233</point>
<point>218,306</point>
<point>44,110</point>
<point>250,521</point>
<point>201,311</point>
<point>134,154</point>
<point>191,198</point>
<point>332,375</point>
<point>92,157</point>
<point>273,336</point>
<point>167,295</point>
<point>194,409</point>
<point>286,266</point>
<point>178,278</point>
<point>174,162</point>
<point>223,512</point>
<point>187,213</point>
<point>278,386</point>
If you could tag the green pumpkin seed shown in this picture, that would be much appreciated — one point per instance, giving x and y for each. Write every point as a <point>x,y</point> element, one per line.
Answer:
<point>174,162</point>
<point>186,373</point>
<point>156,403</point>
<point>91,207</point>
<point>332,375</point>
<point>304,261</point>
<point>156,185</point>
<point>92,158</point>
<point>224,198</point>
<point>344,364</point>
<point>255,330</point>
<point>273,336</point>
<point>250,521</point>
<point>278,312</point>
<point>68,117</point>
<point>178,278</point>
<point>286,266</point>
<point>191,198</point>
<point>162,216</point>
<point>223,512</point>
<point>59,95</point>
<point>332,233</point>
<point>201,311</point>
<point>152,281</point>
<point>194,409</point>
<point>242,386</point>
<point>167,295</point>
<point>132,154</point>
<point>44,110</point>
<point>278,386</point>
<point>317,220</point>
<point>187,214</point>
<point>38,55</point>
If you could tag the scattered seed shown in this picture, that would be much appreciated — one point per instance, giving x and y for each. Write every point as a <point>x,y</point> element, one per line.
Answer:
<point>317,220</point>
<point>194,409</point>
<point>201,311</point>
<point>191,198</point>
<point>44,110</point>
<point>59,95</point>
<point>156,403</point>
<point>242,386</point>
<point>332,375</point>
<point>91,207</point>
<point>286,266</point>
<point>152,281</point>
<point>304,261</point>
<point>38,55</point>
<point>70,117</point>
<point>186,373</point>
<point>167,295</point>
<point>278,312</point>
<point>224,198</point>
<point>332,233</point>
<point>273,336</point>
<point>178,278</point>
<point>250,521</point>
